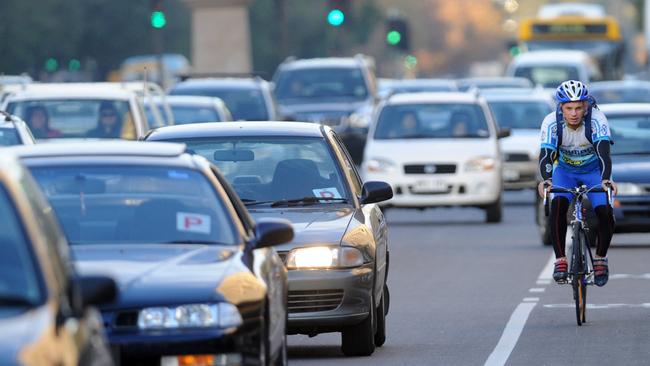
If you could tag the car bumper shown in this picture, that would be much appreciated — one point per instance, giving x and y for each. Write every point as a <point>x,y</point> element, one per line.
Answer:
<point>329,300</point>
<point>519,175</point>
<point>632,214</point>
<point>467,189</point>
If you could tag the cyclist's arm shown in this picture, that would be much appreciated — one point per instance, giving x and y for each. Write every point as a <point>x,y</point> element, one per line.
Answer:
<point>548,146</point>
<point>546,158</point>
<point>604,158</point>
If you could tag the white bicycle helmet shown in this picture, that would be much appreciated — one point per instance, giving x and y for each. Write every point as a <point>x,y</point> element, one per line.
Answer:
<point>571,91</point>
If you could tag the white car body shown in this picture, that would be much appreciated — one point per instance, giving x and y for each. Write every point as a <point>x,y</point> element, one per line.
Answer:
<point>430,188</point>
<point>585,67</point>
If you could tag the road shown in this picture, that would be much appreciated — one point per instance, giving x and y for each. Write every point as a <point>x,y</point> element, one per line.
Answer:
<point>468,293</point>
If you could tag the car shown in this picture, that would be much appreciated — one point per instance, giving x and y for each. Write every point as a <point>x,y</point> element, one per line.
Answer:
<point>620,91</point>
<point>198,276</point>
<point>629,125</point>
<point>74,110</point>
<point>47,314</point>
<point>393,86</point>
<point>195,109</point>
<point>493,82</point>
<point>549,68</point>
<point>436,150</point>
<point>14,131</point>
<point>522,111</point>
<point>338,261</point>
<point>247,98</point>
<point>336,91</point>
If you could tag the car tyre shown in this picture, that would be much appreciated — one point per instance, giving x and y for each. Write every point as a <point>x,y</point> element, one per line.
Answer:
<point>494,212</point>
<point>380,334</point>
<point>283,357</point>
<point>543,224</point>
<point>359,339</point>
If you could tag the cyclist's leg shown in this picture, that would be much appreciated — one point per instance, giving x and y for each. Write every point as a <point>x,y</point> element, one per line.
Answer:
<point>559,207</point>
<point>605,230</point>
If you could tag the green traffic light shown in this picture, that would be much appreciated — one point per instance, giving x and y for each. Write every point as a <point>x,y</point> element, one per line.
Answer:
<point>74,65</point>
<point>335,17</point>
<point>51,64</point>
<point>393,37</point>
<point>158,19</point>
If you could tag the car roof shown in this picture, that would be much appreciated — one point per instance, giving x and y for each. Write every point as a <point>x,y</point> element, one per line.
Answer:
<point>225,82</point>
<point>516,94</point>
<point>333,62</point>
<point>264,128</point>
<point>189,100</point>
<point>551,57</point>
<point>100,148</point>
<point>507,80</point>
<point>433,97</point>
<point>619,84</point>
<point>71,90</point>
<point>625,108</point>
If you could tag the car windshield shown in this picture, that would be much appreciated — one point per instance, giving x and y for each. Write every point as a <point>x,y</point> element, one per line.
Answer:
<point>185,114</point>
<point>266,169</point>
<point>424,121</point>
<point>135,204</point>
<point>548,76</point>
<point>76,118</point>
<point>19,285</point>
<point>621,95</point>
<point>630,133</point>
<point>245,104</point>
<point>321,83</point>
<point>9,136</point>
<point>591,47</point>
<point>520,114</point>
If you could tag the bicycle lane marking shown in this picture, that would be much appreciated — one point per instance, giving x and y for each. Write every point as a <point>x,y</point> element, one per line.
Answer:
<point>517,321</point>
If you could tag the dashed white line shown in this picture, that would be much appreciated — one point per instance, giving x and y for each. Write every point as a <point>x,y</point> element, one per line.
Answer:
<point>510,334</point>
<point>530,299</point>
<point>537,289</point>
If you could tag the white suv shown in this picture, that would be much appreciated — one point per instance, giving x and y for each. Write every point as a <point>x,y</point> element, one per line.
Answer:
<point>437,149</point>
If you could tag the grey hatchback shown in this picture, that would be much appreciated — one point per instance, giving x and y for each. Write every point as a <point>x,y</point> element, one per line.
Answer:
<point>338,260</point>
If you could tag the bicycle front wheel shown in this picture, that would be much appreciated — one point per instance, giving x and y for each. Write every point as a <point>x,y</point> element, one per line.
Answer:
<point>577,275</point>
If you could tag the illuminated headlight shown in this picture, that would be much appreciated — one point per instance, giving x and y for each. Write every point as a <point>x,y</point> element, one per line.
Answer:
<point>222,315</point>
<point>630,189</point>
<point>480,164</point>
<point>379,165</point>
<point>324,257</point>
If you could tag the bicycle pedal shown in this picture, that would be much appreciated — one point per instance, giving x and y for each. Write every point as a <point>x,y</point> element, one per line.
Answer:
<point>562,282</point>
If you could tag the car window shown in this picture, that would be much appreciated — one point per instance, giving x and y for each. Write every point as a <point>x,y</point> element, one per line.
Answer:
<point>631,133</point>
<point>244,103</point>
<point>273,168</point>
<point>520,115</point>
<point>548,76</point>
<point>311,83</point>
<point>440,120</point>
<point>184,114</point>
<point>135,204</point>
<point>621,95</point>
<point>19,274</point>
<point>9,136</point>
<point>347,164</point>
<point>76,118</point>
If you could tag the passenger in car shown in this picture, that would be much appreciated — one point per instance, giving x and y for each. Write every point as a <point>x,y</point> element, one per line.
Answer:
<point>38,120</point>
<point>109,124</point>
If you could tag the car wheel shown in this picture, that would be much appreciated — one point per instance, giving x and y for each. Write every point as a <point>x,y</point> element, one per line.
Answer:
<point>261,343</point>
<point>494,212</point>
<point>283,357</point>
<point>359,340</point>
<point>543,224</point>
<point>380,334</point>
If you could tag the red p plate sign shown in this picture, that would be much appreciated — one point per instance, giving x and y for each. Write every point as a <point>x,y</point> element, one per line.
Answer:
<point>193,222</point>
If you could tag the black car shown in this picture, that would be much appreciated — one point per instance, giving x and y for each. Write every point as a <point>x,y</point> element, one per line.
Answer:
<point>197,275</point>
<point>338,261</point>
<point>630,130</point>
<point>45,318</point>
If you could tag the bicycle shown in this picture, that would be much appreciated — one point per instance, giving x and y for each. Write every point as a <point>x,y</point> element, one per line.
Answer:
<point>581,270</point>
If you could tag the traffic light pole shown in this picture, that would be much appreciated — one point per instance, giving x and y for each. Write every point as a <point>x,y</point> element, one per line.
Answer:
<point>158,50</point>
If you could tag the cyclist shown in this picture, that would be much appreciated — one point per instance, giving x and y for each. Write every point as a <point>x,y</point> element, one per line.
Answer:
<point>575,143</point>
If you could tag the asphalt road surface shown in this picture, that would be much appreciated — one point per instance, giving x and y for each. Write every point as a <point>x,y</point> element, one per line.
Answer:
<point>468,293</point>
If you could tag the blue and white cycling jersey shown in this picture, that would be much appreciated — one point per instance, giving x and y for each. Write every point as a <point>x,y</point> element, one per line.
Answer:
<point>576,153</point>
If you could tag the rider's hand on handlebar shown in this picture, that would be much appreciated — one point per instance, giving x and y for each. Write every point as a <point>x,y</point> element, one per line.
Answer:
<point>606,183</point>
<point>544,187</point>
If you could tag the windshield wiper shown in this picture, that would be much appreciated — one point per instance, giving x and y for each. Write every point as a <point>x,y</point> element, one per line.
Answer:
<point>193,242</point>
<point>248,202</point>
<point>15,300</point>
<point>308,200</point>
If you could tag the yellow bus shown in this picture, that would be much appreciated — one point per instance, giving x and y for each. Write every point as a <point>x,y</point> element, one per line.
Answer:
<point>598,36</point>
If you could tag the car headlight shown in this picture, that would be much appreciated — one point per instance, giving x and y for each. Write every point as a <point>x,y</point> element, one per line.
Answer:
<point>630,189</point>
<point>324,257</point>
<point>480,164</point>
<point>379,165</point>
<point>222,315</point>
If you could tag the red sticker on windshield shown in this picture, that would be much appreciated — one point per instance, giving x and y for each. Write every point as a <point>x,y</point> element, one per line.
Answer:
<point>193,222</point>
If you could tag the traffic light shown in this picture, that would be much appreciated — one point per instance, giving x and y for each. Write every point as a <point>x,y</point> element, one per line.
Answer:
<point>337,10</point>
<point>157,17</point>
<point>397,33</point>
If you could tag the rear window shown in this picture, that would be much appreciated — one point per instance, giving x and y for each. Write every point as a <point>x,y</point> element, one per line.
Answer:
<point>548,76</point>
<point>313,83</point>
<point>425,121</point>
<point>520,115</point>
<point>246,104</point>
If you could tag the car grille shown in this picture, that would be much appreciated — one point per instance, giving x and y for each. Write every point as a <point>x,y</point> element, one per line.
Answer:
<point>314,300</point>
<point>121,320</point>
<point>430,169</point>
<point>516,157</point>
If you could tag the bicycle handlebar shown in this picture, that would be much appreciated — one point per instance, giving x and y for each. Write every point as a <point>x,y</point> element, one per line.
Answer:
<point>576,192</point>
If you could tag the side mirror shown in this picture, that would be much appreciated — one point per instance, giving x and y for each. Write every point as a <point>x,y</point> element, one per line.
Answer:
<point>96,290</point>
<point>373,192</point>
<point>271,231</point>
<point>503,132</point>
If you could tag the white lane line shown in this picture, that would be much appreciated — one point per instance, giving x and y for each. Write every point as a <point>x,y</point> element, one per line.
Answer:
<point>625,276</point>
<point>547,272</point>
<point>537,289</point>
<point>644,305</point>
<point>510,335</point>
<point>543,282</point>
<point>530,299</point>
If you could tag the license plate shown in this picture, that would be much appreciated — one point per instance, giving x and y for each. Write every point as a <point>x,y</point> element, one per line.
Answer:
<point>510,175</point>
<point>430,186</point>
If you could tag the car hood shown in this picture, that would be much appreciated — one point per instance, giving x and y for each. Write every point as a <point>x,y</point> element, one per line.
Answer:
<point>430,150</point>
<point>314,225</point>
<point>21,334</point>
<point>147,273</point>
<point>631,168</point>
<point>521,140</point>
